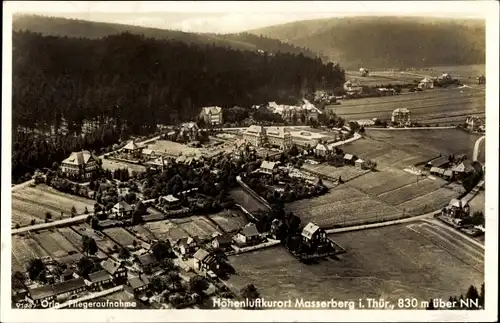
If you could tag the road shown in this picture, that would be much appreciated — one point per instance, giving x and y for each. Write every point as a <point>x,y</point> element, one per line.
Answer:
<point>475,155</point>
<point>41,226</point>
<point>90,297</point>
<point>412,128</point>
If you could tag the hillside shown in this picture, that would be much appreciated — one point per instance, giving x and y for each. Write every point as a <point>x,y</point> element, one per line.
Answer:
<point>54,26</point>
<point>387,42</point>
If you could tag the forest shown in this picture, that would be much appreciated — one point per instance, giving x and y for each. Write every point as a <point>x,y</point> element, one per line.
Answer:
<point>137,83</point>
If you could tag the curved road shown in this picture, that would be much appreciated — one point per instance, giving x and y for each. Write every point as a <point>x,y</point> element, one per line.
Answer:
<point>475,155</point>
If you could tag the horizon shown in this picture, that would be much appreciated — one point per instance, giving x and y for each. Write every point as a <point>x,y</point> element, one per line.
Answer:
<point>208,17</point>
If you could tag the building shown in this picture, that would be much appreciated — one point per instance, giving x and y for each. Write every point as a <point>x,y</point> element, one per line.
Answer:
<point>186,246</point>
<point>441,162</point>
<point>401,117</point>
<point>41,294</point>
<point>148,153</point>
<point>312,234</point>
<point>138,284</point>
<point>158,163</point>
<point>267,167</point>
<point>132,148</point>
<point>474,123</point>
<point>360,163</point>
<point>205,261</point>
<point>278,137</point>
<point>321,150</point>
<point>352,88</point>
<point>189,131</point>
<point>349,159</point>
<point>211,115</point>
<point>457,209</point>
<point>68,288</point>
<point>146,262</point>
<point>463,169</point>
<point>99,279</point>
<point>116,269</point>
<point>169,201</point>
<point>437,171</point>
<point>248,235</point>
<point>481,79</point>
<point>255,135</point>
<point>81,164</point>
<point>223,241</point>
<point>122,209</point>
<point>426,83</point>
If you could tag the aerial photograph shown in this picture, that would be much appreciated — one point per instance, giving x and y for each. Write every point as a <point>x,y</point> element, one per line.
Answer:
<point>332,162</point>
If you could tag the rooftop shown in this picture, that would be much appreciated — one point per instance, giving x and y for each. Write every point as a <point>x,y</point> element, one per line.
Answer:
<point>99,276</point>
<point>309,230</point>
<point>249,231</point>
<point>79,158</point>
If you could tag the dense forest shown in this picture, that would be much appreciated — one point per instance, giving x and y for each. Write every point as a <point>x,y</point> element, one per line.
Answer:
<point>137,82</point>
<point>75,28</point>
<point>387,42</point>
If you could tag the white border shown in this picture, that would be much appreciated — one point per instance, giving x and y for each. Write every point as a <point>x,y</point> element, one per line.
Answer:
<point>485,9</point>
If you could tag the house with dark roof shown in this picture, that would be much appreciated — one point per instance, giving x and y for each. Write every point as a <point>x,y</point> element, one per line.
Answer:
<point>223,241</point>
<point>248,235</point>
<point>81,163</point>
<point>186,246</point>
<point>441,162</point>
<point>138,284</point>
<point>211,115</point>
<point>205,260</point>
<point>99,279</point>
<point>114,268</point>
<point>146,262</point>
<point>70,287</point>
<point>267,167</point>
<point>312,234</point>
<point>42,293</point>
<point>349,159</point>
<point>463,169</point>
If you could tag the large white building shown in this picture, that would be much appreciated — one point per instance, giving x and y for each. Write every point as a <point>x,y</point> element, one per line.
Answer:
<point>211,115</point>
<point>401,117</point>
<point>81,163</point>
<point>426,83</point>
<point>274,136</point>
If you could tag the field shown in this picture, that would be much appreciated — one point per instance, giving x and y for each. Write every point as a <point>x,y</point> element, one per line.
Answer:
<point>30,203</point>
<point>76,240</point>
<point>410,191</point>
<point>114,164</point>
<point>102,242</point>
<point>429,202</point>
<point>120,235</point>
<point>376,183</point>
<point>196,226</point>
<point>230,222</point>
<point>166,230</point>
<point>435,106</point>
<point>382,78</point>
<point>142,233</point>
<point>423,261</point>
<point>347,173</point>
<point>57,246</point>
<point>23,250</point>
<point>342,205</point>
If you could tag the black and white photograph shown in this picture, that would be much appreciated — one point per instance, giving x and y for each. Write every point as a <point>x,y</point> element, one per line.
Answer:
<point>286,156</point>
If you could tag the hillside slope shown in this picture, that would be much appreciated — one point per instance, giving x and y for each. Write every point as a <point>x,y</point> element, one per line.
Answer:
<point>380,42</point>
<point>74,28</point>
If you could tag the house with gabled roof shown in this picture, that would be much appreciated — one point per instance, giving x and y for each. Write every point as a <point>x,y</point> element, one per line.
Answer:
<point>116,269</point>
<point>255,135</point>
<point>248,235</point>
<point>122,209</point>
<point>267,167</point>
<point>211,115</point>
<point>349,159</point>
<point>146,262</point>
<point>312,234</point>
<point>99,279</point>
<point>222,241</point>
<point>186,246</point>
<point>132,148</point>
<point>138,284</point>
<point>81,163</point>
<point>321,150</point>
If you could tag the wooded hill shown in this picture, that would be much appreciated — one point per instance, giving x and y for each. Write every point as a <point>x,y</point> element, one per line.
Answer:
<point>387,42</point>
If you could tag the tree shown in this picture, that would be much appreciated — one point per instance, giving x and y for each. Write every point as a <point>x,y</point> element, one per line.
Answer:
<point>33,222</point>
<point>250,292</point>
<point>162,250</point>
<point>173,279</point>
<point>55,166</point>
<point>89,245</point>
<point>481,296</point>
<point>36,269</point>
<point>472,294</point>
<point>124,253</point>
<point>48,216</point>
<point>198,284</point>
<point>73,211</point>
<point>85,266</point>
<point>86,211</point>
<point>17,280</point>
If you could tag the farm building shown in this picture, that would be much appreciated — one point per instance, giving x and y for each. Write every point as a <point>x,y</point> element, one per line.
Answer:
<point>65,289</point>
<point>99,279</point>
<point>149,153</point>
<point>267,167</point>
<point>223,241</point>
<point>114,268</point>
<point>437,171</point>
<point>321,150</point>
<point>186,246</point>
<point>313,234</point>
<point>457,209</point>
<point>401,117</point>
<point>349,159</point>
<point>43,293</point>
<point>426,83</point>
<point>448,175</point>
<point>211,115</point>
<point>81,163</point>
<point>352,88</point>
<point>138,283</point>
<point>122,209</point>
<point>248,235</point>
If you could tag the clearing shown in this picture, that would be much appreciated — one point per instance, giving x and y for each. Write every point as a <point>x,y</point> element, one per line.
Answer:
<point>419,260</point>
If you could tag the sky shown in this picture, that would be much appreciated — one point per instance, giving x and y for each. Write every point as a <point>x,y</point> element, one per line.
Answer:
<point>230,16</point>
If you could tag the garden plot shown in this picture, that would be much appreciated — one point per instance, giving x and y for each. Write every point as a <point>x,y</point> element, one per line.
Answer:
<point>387,180</point>
<point>102,242</point>
<point>345,172</point>
<point>230,221</point>
<point>429,202</point>
<point>30,203</point>
<point>121,236</point>
<point>142,233</point>
<point>57,246</point>
<point>338,194</point>
<point>166,230</point>
<point>77,241</point>
<point>411,191</point>
<point>197,226</point>
<point>22,251</point>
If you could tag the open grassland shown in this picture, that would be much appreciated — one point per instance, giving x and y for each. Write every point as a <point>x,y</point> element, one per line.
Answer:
<point>347,173</point>
<point>197,226</point>
<point>411,191</point>
<point>390,263</point>
<point>429,202</point>
<point>32,203</point>
<point>57,246</point>
<point>434,106</point>
<point>342,206</point>
<point>120,235</point>
<point>230,221</point>
<point>166,230</point>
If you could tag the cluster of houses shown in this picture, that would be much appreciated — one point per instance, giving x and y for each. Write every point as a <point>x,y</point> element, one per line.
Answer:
<point>306,110</point>
<point>443,167</point>
<point>475,124</point>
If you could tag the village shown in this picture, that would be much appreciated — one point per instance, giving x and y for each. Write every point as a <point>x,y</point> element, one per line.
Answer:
<point>186,175</point>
